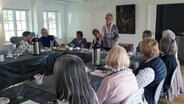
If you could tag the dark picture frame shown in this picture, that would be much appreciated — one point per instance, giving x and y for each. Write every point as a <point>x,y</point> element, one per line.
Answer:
<point>125,19</point>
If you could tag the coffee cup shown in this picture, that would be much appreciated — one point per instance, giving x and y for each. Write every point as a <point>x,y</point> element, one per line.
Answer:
<point>38,79</point>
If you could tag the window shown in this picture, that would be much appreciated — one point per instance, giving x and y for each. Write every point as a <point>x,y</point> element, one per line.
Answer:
<point>50,22</point>
<point>15,22</point>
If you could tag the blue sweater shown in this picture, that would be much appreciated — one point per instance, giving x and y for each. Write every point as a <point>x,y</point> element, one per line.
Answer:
<point>160,73</point>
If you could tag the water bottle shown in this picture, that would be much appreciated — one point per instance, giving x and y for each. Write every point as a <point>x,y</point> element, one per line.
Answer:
<point>36,47</point>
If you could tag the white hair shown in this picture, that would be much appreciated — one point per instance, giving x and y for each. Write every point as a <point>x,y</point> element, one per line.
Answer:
<point>169,34</point>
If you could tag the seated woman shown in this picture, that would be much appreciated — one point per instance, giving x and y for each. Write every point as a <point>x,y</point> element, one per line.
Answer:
<point>150,73</point>
<point>168,33</point>
<point>71,82</point>
<point>26,43</point>
<point>79,41</point>
<point>98,40</point>
<point>48,40</point>
<point>120,82</point>
<point>168,50</point>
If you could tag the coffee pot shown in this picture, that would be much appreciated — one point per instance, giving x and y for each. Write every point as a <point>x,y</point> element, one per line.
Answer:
<point>96,55</point>
<point>36,47</point>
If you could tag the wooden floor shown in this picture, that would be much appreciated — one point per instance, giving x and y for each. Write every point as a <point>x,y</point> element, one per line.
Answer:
<point>179,99</point>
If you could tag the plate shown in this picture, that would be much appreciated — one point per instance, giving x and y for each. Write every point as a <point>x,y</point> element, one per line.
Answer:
<point>4,100</point>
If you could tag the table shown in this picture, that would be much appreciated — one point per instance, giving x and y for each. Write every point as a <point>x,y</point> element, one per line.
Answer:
<point>18,69</point>
<point>29,93</point>
<point>14,70</point>
<point>24,67</point>
<point>38,93</point>
<point>46,92</point>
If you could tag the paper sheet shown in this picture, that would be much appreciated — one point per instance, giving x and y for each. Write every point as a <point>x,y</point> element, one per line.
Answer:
<point>29,102</point>
<point>98,73</point>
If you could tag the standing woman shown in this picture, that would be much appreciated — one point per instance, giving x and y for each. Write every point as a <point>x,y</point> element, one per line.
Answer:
<point>109,32</point>
<point>72,83</point>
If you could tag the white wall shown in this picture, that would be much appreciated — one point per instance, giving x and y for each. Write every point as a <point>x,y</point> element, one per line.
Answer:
<point>36,8</point>
<point>82,17</point>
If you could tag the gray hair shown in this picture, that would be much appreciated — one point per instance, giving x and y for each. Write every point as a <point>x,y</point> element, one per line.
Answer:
<point>168,33</point>
<point>168,46</point>
<point>108,14</point>
<point>71,81</point>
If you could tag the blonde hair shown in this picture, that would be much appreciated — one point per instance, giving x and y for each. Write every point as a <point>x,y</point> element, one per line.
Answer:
<point>117,57</point>
<point>169,34</point>
<point>149,48</point>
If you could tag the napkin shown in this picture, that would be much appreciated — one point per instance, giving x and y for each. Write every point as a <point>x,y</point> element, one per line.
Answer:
<point>98,73</point>
<point>29,102</point>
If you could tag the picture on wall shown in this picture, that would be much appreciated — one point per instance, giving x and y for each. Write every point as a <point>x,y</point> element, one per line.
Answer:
<point>125,19</point>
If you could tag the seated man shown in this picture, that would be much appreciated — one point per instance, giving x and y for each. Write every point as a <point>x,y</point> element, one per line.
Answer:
<point>79,41</point>
<point>26,43</point>
<point>47,39</point>
<point>146,34</point>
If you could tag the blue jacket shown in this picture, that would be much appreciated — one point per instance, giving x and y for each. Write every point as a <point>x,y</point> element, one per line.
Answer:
<point>160,73</point>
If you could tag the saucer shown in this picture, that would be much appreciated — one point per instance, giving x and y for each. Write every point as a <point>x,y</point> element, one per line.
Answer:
<point>4,100</point>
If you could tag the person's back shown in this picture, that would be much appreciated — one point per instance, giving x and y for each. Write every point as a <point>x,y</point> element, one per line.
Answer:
<point>160,73</point>
<point>119,83</point>
<point>115,89</point>
<point>168,48</point>
<point>71,81</point>
<point>150,53</point>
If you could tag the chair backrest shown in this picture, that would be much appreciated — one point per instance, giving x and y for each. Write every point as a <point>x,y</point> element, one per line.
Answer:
<point>158,91</point>
<point>173,75</point>
<point>16,40</point>
<point>136,98</point>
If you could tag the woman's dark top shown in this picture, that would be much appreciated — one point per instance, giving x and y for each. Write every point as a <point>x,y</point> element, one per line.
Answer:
<point>79,43</point>
<point>171,64</point>
<point>97,43</point>
<point>160,73</point>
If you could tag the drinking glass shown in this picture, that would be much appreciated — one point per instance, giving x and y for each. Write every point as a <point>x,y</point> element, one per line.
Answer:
<point>19,92</point>
<point>14,53</point>
<point>52,46</point>
<point>82,47</point>
<point>72,45</point>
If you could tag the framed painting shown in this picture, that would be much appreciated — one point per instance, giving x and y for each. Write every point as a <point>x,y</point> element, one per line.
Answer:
<point>125,19</point>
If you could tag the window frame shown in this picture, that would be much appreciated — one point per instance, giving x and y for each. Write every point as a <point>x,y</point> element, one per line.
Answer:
<point>15,21</point>
<point>47,21</point>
